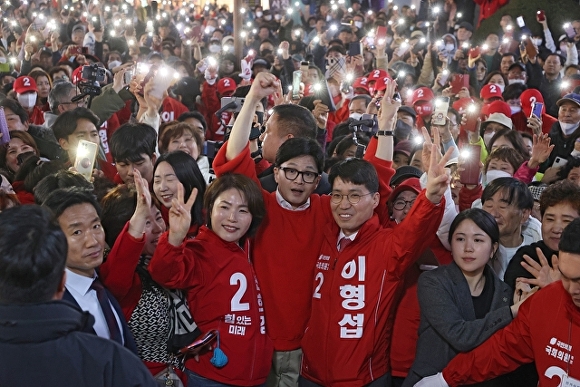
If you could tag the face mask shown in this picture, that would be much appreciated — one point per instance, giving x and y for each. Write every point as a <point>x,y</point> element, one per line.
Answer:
<point>449,47</point>
<point>264,53</point>
<point>277,16</point>
<point>537,42</point>
<point>567,129</point>
<point>114,64</point>
<point>27,100</point>
<point>268,17</point>
<point>356,116</point>
<point>514,81</point>
<point>358,24</point>
<point>495,174</point>
<point>515,109</point>
<point>2,59</point>
<point>501,87</point>
<point>214,48</point>
<point>402,130</point>
<point>487,138</point>
<point>259,14</point>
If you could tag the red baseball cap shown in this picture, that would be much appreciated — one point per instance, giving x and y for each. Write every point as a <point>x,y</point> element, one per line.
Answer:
<point>528,97</point>
<point>226,85</point>
<point>24,84</point>
<point>462,104</point>
<point>361,83</point>
<point>77,75</point>
<point>496,107</point>
<point>411,184</point>
<point>423,94</point>
<point>375,75</point>
<point>489,91</point>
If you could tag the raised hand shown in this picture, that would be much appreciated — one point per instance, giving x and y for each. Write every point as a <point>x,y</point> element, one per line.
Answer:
<point>389,106</point>
<point>139,219</point>
<point>180,216</point>
<point>320,114</point>
<point>541,150</point>
<point>438,177</point>
<point>542,272</point>
<point>264,84</point>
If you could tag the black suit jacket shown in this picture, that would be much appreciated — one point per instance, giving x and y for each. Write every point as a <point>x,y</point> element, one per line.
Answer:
<point>269,183</point>
<point>127,335</point>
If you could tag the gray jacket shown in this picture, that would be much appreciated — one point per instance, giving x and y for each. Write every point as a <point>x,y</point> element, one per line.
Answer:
<point>448,324</point>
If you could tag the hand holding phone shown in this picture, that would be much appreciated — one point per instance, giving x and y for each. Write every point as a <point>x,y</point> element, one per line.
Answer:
<point>296,80</point>
<point>470,156</point>
<point>85,158</point>
<point>458,82</point>
<point>541,16</point>
<point>440,113</point>
<point>201,345</point>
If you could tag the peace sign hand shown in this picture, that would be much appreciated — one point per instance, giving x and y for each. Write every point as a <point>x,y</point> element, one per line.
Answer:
<point>438,177</point>
<point>138,221</point>
<point>180,216</point>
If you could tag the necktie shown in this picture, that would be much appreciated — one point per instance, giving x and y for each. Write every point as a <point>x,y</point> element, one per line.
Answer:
<point>343,242</point>
<point>103,298</point>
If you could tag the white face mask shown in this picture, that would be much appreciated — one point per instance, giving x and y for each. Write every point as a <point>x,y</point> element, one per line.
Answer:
<point>209,30</point>
<point>27,100</point>
<point>515,109</point>
<point>356,116</point>
<point>514,81</point>
<point>537,42</point>
<point>568,129</point>
<point>114,64</point>
<point>501,87</point>
<point>358,24</point>
<point>328,17</point>
<point>268,17</point>
<point>214,48</point>
<point>495,174</point>
<point>277,16</point>
<point>259,14</point>
<point>449,47</point>
<point>487,137</point>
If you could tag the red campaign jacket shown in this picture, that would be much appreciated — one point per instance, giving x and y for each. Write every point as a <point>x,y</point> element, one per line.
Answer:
<point>546,331</point>
<point>223,294</point>
<point>520,122</point>
<point>37,116</point>
<point>212,104</point>
<point>348,335</point>
<point>488,8</point>
<point>105,132</point>
<point>171,109</point>
<point>286,249</point>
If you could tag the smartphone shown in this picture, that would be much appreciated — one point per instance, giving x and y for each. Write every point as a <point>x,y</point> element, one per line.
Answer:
<point>559,162</point>
<point>355,48</point>
<point>440,113</point>
<point>471,115</point>
<point>85,160</point>
<point>541,15</point>
<point>537,108</point>
<point>402,49</point>
<point>324,95</point>
<point>444,77</point>
<point>235,103</point>
<point>531,50</point>
<point>296,79</point>
<point>197,33</point>
<point>304,66</point>
<point>570,32</point>
<point>520,21</point>
<point>474,52</point>
<point>154,8</point>
<point>128,75</point>
<point>381,33</point>
<point>5,139</point>
<point>459,81</point>
<point>471,158</point>
<point>195,347</point>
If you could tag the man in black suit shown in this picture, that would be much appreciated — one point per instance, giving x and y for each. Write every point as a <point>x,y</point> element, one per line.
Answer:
<point>41,337</point>
<point>78,214</point>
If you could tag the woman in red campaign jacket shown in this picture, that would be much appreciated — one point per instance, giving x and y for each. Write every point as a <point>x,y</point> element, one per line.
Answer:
<point>215,270</point>
<point>133,225</point>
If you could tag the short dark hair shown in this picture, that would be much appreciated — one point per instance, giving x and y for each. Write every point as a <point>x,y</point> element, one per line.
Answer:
<point>9,103</point>
<point>118,207</point>
<point>560,57</point>
<point>573,162</point>
<point>514,91</point>
<point>194,114</point>
<point>365,97</point>
<point>563,191</point>
<point>484,220</point>
<point>295,120</point>
<point>514,192</point>
<point>569,242</point>
<point>33,252</point>
<point>355,171</point>
<point>62,199</point>
<point>250,192</point>
<point>336,48</point>
<point>505,154</point>
<point>188,174</point>
<point>130,141</point>
<point>66,123</point>
<point>296,147</point>
<point>175,131</point>
<point>61,179</point>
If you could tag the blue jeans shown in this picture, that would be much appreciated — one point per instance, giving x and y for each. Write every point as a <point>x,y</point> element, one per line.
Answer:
<point>195,380</point>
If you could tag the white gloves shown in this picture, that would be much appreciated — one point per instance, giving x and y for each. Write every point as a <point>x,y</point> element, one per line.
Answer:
<point>432,381</point>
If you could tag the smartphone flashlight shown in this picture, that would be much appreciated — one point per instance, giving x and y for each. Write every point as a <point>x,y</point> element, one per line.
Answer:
<point>418,140</point>
<point>465,154</point>
<point>471,108</point>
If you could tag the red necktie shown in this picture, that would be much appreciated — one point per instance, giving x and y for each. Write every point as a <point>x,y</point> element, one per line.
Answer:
<point>343,242</point>
<point>103,298</point>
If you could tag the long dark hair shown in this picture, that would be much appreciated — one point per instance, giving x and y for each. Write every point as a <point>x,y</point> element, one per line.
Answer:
<point>484,220</point>
<point>188,174</point>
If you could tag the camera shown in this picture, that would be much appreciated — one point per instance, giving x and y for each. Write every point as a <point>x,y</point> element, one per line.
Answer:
<point>93,73</point>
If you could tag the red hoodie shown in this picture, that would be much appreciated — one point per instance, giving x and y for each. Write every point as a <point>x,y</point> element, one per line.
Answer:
<point>223,294</point>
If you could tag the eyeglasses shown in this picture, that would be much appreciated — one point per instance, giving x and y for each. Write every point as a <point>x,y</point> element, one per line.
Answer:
<point>353,198</point>
<point>400,205</point>
<point>291,174</point>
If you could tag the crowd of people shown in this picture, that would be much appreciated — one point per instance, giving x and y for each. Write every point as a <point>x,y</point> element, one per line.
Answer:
<point>368,196</point>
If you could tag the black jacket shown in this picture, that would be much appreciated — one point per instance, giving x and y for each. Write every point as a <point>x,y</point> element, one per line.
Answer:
<point>515,268</point>
<point>43,345</point>
<point>563,145</point>
<point>46,143</point>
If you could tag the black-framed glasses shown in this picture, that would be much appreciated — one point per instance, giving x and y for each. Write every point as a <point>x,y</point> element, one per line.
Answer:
<point>292,174</point>
<point>400,204</point>
<point>353,198</point>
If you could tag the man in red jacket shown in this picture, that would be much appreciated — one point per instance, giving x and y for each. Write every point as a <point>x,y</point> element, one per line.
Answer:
<point>358,273</point>
<point>546,331</point>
